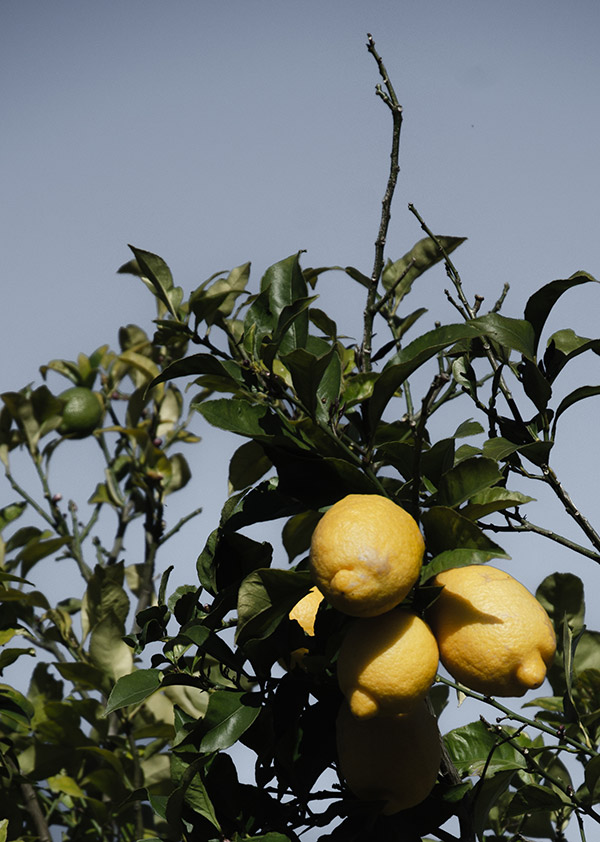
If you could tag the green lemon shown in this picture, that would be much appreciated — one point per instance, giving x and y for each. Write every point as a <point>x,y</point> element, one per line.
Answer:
<point>82,413</point>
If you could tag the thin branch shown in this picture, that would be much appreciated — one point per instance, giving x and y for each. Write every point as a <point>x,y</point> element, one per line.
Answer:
<point>378,305</point>
<point>180,523</point>
<point>526,526</point>
<point>390,99</point>
<point>489,700</point>
<point>436,387</point>
<point>570,506</point>
<point>32,805</point>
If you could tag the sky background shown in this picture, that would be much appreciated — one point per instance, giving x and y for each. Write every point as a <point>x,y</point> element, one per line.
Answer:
<point>216,133</point>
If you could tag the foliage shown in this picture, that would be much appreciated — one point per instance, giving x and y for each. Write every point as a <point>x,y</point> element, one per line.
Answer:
<point>131,727</point>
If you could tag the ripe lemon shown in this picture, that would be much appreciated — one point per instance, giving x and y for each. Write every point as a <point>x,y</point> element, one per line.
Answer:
<point>394,759</point>
<point>493,634</point>
<point>366,553</point>
<point>305,611</point>
<point>82,412</point>
<point>386,664</point>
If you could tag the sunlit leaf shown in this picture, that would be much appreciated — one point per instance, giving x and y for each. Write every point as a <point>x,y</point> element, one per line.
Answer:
<point>423,255</point>
<point>493,500</point>
<point>473,749</point>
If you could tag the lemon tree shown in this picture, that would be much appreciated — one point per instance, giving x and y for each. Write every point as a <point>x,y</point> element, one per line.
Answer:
<point>369,481</point>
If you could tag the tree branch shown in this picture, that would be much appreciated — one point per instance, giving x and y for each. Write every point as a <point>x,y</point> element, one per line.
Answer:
<point>391,100</point>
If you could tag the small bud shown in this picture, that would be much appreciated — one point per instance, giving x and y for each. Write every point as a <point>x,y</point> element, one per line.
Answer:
<point>157,442</point>
<point>57,498</point>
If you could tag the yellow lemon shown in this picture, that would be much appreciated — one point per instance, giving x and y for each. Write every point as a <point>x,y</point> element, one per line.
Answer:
<point>82,411</point>
<point>386,664</point>
<point>366,554</point>
<point>493,635</point>
<point>394,759</point>
<point>305,611</point>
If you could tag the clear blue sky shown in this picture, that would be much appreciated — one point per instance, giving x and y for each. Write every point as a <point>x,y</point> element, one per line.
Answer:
<point>218,132</point>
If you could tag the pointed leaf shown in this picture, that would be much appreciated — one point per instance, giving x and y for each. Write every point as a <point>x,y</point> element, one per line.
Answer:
<point>493,500</point>
<point>540,304</point>
<point>409,359</point>
<point>423,255</point>
<point>574,397</point>
<point>514,334</point>
<point>159,275</point>
<point>286,284</point>
<point>466,479</point>
<point>228,715</point>
<point>446,529</point>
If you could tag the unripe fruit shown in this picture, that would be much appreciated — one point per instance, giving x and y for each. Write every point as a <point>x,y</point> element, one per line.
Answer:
<point>82,412</point>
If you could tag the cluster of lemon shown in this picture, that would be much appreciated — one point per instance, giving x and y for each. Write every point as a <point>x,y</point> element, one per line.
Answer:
<point>490,633</point>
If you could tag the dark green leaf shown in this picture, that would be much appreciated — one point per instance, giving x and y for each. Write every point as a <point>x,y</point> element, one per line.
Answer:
<point>562,596</point>
<point>259,322</point>
<point>228,715</point>
<point>474,749</point>
<point>533,798</point>
<point>133,688</point>
<point>514,334</point>
<point>461,557</point>
<point>409,359</point>
<point>10,513</point>
<point>592,779</point>
<point>418,260</point>
<point>323,322</point>
<point>468,428</point>
<point>236,415</point>
<point>9,655</point>
<point>297,533</point>
<point>157,272</point>
<point>467,479</point>
<point>264,599</point>
<point>358,276</point>
<point>191,790</point>
<point>200,364</point>
<point>247,465</point>
<point>540,304</point>
<point>536,386</point>
<point>574,397</point>
<point>563,346</point>
<point>285,284</point>
<point>493,500</point>
<point>446,529</point>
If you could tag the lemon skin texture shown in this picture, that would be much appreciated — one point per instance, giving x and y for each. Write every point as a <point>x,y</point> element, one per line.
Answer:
<point>493,635</point>
<point>386,664</point>
<point>392,759</point>
<point>82,412</point>
<point>305,610</point>
<point>305,613</point>
<point>366,554</point>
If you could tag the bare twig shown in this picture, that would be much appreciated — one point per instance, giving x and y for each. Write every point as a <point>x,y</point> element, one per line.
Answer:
<point>526,526</point>
<point>390,99</point>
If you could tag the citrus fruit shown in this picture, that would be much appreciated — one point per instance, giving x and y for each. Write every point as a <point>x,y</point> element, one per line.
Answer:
<point>82,412</point>
<point>305,611</point>
<point>493,635</point>
<point>386,664</point>
<point>366,553</point>
<point>394,759</point>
